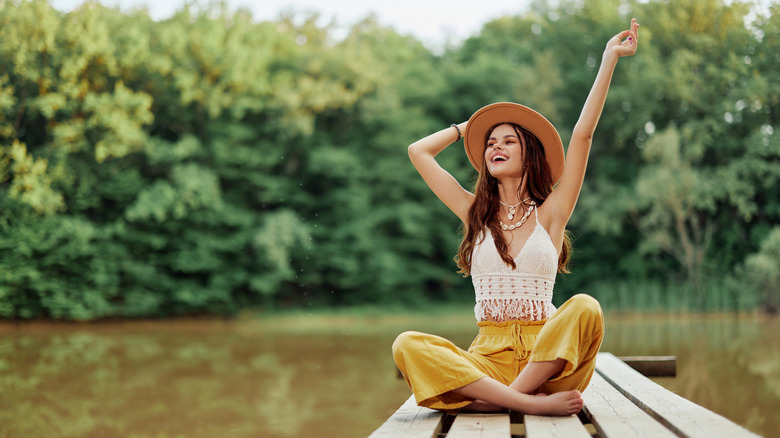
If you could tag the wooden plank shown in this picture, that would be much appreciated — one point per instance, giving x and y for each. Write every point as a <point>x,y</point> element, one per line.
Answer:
<point>411,421</point>
<point>682,416</point>
<point>537,426</point>
<point>613,415</point>
<point>480,425</point>
<point>653,366</point>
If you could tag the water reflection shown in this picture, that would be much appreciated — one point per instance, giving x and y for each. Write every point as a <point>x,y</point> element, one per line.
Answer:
<point>289,377</point>
<point>728,364</point>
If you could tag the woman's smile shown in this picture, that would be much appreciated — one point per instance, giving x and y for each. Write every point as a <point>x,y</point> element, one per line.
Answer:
<point>499,157</point>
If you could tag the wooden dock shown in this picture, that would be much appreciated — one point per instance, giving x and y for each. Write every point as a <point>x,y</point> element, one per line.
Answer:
<point>619,402</point>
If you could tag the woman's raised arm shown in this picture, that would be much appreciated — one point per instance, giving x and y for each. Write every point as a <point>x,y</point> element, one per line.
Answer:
<point>565,195</point>
<point>444,186</point>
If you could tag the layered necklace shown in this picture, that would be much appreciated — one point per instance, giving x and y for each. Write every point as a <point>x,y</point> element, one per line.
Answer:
<point>513,212</point>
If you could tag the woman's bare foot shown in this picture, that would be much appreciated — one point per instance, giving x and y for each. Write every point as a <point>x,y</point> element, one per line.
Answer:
<point>483,406</point>
<point>497,393</point>
<point>560,403</point>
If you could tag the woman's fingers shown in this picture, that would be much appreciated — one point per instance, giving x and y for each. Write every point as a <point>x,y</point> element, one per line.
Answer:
<point>625,42</point>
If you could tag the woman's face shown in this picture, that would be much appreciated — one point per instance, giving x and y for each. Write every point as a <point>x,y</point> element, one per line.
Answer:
<point>504,152</point>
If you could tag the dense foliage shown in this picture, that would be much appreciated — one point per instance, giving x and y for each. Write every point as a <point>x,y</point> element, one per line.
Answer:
<point>208,162</point>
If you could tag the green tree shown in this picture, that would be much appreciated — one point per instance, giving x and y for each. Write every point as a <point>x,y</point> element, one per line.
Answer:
<point>762,271</point>
<point>210,162</point>
<point>676,203</point>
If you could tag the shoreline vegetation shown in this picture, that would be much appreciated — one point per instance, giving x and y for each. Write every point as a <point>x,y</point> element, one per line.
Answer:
<point>345,317</point>
<point>211,163</point>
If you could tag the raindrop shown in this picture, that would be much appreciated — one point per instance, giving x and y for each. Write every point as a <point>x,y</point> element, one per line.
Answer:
<point>747,60</point>
<point>767,130</point>
<point>626,106</point>
<point>649,128</point>
<point>301,40</point>
<point>536,29</point>
<point>728,117</point>
<point>741,104</point>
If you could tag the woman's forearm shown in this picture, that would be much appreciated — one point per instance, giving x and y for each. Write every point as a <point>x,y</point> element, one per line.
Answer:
<point>594,104</point>
<point>436,142</point>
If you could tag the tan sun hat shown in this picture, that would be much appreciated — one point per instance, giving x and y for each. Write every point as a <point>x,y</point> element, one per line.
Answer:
<point>508,112</point>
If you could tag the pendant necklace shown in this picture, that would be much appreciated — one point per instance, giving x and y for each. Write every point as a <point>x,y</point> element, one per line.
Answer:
<point>511,215</point>
<point>512,208</point>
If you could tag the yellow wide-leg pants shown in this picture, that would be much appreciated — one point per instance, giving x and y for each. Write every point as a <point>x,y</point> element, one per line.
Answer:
<point>434,366</point>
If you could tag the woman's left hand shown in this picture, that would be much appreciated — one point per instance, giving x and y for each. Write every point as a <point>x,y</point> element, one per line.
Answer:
<point>624,43</point>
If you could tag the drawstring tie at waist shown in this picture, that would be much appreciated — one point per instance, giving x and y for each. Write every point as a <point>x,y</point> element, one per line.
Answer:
<point>518,343</point>
<point>523,333</point>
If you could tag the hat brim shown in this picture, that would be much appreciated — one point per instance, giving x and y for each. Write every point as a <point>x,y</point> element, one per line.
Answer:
<point>507,112</point>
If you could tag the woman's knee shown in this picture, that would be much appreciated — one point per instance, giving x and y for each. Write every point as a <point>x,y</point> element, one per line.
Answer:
<point>403,343</point>
<point>587,306</point>
<point>587,303</point>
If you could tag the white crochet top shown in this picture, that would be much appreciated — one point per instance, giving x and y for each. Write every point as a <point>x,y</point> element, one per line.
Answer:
<point>524,293</point>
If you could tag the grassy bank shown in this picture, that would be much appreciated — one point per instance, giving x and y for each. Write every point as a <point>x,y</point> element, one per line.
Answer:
<point>653,296</point>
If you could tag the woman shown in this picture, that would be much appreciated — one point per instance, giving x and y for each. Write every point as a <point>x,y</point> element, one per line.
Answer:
<point>528,356</point>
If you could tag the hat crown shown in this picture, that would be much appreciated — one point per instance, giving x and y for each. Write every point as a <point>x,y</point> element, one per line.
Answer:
<point>487,117</point>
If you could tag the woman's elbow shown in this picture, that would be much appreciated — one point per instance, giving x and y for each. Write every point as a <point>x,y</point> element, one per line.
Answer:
<point>581,136</point>
<point>414,150</point>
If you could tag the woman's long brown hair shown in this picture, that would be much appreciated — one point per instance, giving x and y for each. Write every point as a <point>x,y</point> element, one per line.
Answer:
<point>483,212</point>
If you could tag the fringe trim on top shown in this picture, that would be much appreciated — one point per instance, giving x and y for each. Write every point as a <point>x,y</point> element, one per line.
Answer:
<point>509,309</point>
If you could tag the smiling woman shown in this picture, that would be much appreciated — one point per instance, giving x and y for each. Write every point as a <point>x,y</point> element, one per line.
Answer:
<point>525,348</point>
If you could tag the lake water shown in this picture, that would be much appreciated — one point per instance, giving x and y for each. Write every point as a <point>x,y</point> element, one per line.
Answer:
<point>325,376</point>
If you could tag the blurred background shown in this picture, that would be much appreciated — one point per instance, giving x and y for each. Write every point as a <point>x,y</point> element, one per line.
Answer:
<point>208,172</point>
